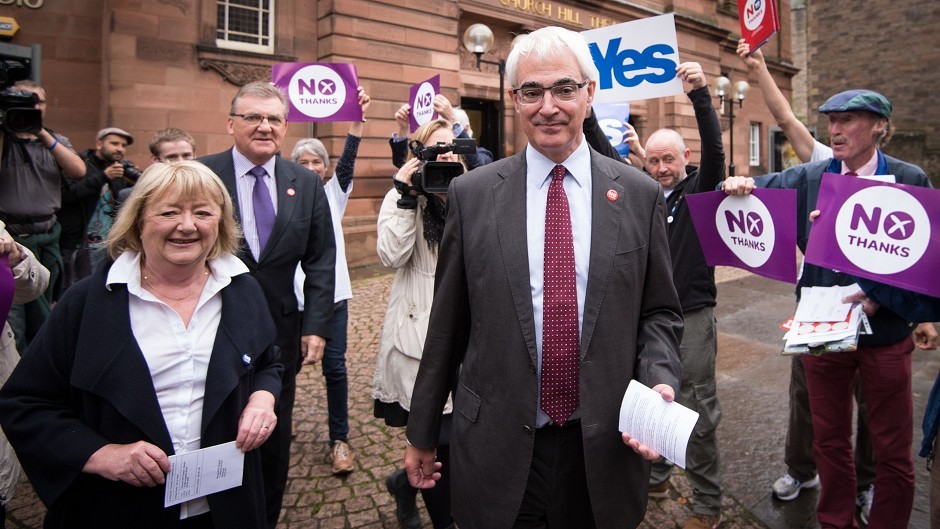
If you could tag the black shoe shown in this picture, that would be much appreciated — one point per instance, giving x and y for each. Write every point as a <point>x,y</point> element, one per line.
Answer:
<point>406,506</point>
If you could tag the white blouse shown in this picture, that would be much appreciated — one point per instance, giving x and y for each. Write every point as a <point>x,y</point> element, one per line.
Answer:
<point>177,355</point>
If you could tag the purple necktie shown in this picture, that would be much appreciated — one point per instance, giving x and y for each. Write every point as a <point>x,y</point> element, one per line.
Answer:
<point>264,207</point>
<point>560,348</point>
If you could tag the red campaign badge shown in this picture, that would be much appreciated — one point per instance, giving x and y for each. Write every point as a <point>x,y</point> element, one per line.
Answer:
<point>612,195</point>
<point>291,192</point>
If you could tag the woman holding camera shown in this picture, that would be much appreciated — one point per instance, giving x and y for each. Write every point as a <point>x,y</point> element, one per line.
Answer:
<point>410,227</point>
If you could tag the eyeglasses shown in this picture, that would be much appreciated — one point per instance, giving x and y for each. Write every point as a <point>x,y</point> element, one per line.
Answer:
<point>532,95</point>
<point>256,119</point>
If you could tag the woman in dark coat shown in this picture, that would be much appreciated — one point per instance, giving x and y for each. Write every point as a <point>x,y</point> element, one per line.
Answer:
<point>167,350</point>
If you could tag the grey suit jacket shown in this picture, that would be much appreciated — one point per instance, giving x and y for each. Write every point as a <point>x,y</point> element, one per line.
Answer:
<point>481,340</point>
<point>303,232</point>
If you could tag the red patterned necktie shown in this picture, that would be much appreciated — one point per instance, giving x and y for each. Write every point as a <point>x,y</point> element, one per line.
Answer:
<point>560,347</point>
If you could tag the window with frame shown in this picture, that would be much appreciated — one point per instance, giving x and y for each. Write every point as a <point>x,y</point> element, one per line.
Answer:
<point>246,25</point>
<point>754,145</point>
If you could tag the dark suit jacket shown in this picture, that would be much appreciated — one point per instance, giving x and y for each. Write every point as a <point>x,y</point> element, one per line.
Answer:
<point>84,383</point>
<point>482,326</point>
<point>303,231</point>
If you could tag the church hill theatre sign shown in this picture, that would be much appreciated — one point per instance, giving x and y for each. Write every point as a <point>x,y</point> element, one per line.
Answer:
<point>555,12</point>
<point>32,4</point>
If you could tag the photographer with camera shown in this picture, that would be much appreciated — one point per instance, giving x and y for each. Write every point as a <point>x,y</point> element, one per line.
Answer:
<point>410,226</point>
<point>89,204</point>
<point>456,118</point>
<point>34,163</point>
<point>108,157</point>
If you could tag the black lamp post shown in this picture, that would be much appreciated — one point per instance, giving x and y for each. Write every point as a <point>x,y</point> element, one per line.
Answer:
<point>478,39</point>
<point>722,86</point>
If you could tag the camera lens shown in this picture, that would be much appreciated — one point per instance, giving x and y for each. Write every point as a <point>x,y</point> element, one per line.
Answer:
<point>130,172</point>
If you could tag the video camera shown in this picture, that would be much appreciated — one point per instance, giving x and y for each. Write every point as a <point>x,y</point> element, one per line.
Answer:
<point>18,112</point>
<point>434,176</point>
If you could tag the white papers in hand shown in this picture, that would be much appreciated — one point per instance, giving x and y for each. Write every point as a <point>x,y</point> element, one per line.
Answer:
<point>203,472</point>
<point>663,426</point>
<point>824,304</point>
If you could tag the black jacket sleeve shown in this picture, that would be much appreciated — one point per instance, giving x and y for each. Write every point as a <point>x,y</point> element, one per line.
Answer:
<point>711,170</point>
<point>399,151</point>
<point>597,139</point>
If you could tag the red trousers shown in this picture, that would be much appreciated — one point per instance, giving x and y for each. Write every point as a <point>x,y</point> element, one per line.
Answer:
<point>885,373</point>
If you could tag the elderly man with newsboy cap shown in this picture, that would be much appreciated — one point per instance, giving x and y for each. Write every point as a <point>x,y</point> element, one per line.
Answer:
<point>858,120</point>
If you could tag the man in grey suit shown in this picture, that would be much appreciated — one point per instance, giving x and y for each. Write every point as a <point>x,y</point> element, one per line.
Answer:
<point>285,218</point>
<point>553,291</point>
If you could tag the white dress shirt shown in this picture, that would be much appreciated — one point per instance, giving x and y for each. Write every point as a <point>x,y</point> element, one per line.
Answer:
<point>337,199</point>
<point>177,355</point>
<point>245,184</point>
<point>578,185</point>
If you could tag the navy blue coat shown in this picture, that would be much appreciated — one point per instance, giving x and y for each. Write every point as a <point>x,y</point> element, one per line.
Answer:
<point>84,383</point>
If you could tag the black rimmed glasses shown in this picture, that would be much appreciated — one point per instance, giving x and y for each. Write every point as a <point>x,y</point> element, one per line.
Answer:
<point>257,119</point>
<point>532,95</point>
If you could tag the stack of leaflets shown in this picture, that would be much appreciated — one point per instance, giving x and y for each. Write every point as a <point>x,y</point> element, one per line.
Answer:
<point>824,324</point>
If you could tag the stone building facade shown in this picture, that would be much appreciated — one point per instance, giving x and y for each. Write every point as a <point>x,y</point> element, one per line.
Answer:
<point>890,46</point>
<point>143,65</point>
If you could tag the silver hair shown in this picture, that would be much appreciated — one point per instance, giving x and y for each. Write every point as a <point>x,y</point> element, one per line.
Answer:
<point>547,42</point>
<point>462,116</point>
<point>260,90</point>
<point>312,146</point>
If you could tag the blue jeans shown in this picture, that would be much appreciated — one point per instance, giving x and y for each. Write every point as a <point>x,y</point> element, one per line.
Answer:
<point>334,371</point>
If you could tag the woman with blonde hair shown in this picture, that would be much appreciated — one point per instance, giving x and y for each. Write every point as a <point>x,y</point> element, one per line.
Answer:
<point>166,350</point>
<point>410,227</point>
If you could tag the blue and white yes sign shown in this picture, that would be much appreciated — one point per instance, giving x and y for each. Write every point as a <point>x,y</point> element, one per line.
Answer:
<point>636,60</point>
<point>610,117</point>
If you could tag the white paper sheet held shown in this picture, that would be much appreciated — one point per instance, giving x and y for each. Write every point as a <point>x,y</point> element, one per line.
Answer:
<point>663,426</point>
<point>202,472</point>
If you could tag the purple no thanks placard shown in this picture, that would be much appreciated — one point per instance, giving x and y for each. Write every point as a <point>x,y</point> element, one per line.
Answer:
<point>888,233</point>
<point>421,97</point>
<point>319,91</point>
<point>755,232</point>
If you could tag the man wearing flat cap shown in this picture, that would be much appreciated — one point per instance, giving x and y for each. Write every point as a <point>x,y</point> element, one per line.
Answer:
<point>88,204</point>
<point>858,121</point>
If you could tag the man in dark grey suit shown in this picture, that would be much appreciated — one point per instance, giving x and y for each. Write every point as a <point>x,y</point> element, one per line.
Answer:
<point>553,291</point>
<point>285,217</point>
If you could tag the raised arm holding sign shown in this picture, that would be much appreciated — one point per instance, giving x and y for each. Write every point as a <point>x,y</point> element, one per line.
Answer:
<point>858,120</point>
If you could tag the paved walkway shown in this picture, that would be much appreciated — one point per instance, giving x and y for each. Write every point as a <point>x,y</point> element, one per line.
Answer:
<point>316,499</point>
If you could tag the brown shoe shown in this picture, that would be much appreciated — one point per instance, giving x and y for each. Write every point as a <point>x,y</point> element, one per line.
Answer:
<point>342,458</point>
<point>703,521</point>
<point>660,490</point>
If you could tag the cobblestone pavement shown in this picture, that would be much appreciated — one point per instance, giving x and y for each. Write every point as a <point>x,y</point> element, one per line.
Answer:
<point>316,499</point>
